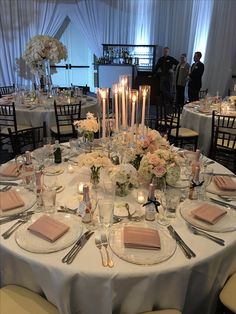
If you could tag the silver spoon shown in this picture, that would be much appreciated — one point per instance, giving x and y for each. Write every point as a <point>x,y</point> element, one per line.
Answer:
<point>130,216</point>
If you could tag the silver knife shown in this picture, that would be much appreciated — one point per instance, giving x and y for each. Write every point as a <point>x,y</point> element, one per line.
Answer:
<point>69,257</point>
<point>186,249</point>
<point>16,216</point>
<point>224,174</point>
<point>9,183</point>
<point>225,204</point>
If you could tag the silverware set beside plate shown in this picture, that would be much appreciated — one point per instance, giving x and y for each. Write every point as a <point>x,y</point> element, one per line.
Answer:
<point>101,242</point>
<point>16,225</point>
<point>70,256</point>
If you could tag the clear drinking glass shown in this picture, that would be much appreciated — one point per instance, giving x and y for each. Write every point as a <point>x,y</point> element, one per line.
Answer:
<point>49,200</point>
<point>106,211</point>
<point>206,176</point>
<point>173,195</point>
<point>160,194</point>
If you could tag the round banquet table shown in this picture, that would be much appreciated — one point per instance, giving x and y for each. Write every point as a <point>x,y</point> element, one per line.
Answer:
<point>86,287</point>
<point>34,114</point>
<point>200,122</point>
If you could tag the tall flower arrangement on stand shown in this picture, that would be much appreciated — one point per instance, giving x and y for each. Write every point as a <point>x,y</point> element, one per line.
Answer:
<point>43,48</point>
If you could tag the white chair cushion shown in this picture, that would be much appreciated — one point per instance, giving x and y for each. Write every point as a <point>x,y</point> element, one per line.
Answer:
<point>184,132</point>
<point>18,300</point>
<point>65,129</point>
<point>227,295</point>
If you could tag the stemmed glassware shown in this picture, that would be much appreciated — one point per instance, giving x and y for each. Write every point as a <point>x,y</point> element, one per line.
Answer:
<point>206,176</point>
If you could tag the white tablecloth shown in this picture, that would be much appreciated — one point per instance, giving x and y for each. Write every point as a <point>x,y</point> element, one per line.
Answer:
<point>39,114</point>
<point>34,114</point>
<point>200,123</point>
<point>85,287</point>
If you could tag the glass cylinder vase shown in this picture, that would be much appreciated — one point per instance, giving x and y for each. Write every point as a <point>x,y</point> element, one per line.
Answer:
<point>122,189</point>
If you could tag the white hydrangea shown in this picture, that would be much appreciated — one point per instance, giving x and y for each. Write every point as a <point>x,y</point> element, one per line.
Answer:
<point>41,48</point>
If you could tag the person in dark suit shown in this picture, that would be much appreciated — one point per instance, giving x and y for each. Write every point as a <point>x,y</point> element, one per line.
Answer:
<point>164,69</point>
<point>195,77</point>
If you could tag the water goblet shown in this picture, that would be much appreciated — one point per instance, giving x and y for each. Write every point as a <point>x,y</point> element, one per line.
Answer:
<point>106,211</point>
<point>206,176</point>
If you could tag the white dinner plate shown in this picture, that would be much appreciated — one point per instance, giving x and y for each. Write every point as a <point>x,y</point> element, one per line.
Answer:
<point>27,196</point>
<point>53,171</point>
<point>5,178</point>
<point>212,188</point>
<point>32,243</point>
<point>140,256</point>
<point>225,224</point>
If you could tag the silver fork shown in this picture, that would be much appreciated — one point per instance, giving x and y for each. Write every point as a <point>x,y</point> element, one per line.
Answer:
<point>227,198</point>
<point>16,225</point>
<point>104,241</point>
<point>98,244</point>
<point>207,235</point>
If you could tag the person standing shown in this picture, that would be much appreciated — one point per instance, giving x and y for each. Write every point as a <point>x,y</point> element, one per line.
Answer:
<point>181,76</point>
<point>165,67</point>
<point>195,77</point>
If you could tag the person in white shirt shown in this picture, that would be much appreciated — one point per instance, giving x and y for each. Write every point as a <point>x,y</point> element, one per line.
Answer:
<point>181,77</point>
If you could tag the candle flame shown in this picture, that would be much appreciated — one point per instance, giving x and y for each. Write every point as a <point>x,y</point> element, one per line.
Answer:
<point>134,98</point>
<point>103,94</point>
<point>144,93</point>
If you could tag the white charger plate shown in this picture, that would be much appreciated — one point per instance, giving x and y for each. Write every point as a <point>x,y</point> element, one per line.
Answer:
<point>225,224</point>
<point>140,256</point>
<point>27,196</point>
<point>32,243</point>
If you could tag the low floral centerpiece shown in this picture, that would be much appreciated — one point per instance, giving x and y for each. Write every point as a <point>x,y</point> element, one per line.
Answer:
<point>141,145</point>
<point>87,126</point>
<point>95,161</point>
<point>125,176</point>
<point>162,163</point>
<point>40,50</point>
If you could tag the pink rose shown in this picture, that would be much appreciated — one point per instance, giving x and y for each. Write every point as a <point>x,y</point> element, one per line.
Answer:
<point>154,160</point>
<point>146,142</point>
<point>159,171</point>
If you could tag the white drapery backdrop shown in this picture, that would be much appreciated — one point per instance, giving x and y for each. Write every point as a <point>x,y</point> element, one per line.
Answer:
<point>183,25</point>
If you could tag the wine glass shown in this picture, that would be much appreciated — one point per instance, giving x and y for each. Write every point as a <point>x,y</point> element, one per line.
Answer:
<point>206,176</point>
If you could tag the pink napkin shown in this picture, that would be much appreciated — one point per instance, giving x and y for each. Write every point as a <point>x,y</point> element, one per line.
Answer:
<point>225,183</point>
<point>209,213</point>
<point>48,228</point>
<point>10,170</point>
<point>141,238</point>
<point>10,200</point>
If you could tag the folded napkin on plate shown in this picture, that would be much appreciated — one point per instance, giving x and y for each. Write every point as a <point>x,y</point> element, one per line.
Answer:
<point>11,170</point>
<point>225,183</point>
<point>10,200</point>
<point>141,238</point>
<point>48,228</point>
<point>209,213</point>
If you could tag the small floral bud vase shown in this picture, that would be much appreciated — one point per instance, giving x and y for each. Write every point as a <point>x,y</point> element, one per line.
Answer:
<point>88,136</point>
<point>122,189</point>
<point>95,176</point>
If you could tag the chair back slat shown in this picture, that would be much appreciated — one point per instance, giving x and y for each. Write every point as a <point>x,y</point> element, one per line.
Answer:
<point>27,139</point>
<point>223,140</point>
<point>65,114</point>
<point>5,90</point>
<point>8,116</point>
